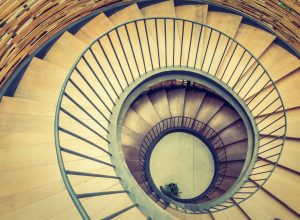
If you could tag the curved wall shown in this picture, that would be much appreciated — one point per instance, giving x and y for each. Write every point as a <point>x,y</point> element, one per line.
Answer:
<point>26,25</point>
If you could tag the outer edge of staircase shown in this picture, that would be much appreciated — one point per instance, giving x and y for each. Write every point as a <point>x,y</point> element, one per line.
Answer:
<point>12,83</point>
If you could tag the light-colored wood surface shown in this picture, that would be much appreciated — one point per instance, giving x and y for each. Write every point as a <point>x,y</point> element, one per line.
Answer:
<point>263,206</point>
<point>278,62</point>
<point>176,99</point>
<point>255,40</point>
<point>213,46</point>
<point>288,88</point>
<point>135,122</point>
<point>145,109</point>
<point>65,51</point>
<point>208,108</point>
<point>193,101</point>
<point>26,121</point>
<point>164,9</point>
<point>94,28</point>
<point>223,118</point>
<point>231,213</point>
<point>293,122</point>
<point>191,32</point>
<point>283,184</point>
<point>197,13</point>
<point>161,104</point>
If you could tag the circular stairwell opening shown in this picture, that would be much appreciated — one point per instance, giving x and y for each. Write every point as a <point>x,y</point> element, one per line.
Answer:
<point>189,101</point>
<point>183,132</point>
<point>184,159</point>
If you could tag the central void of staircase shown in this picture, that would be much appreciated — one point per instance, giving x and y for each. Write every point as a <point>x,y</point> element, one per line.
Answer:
<point>183,159</point>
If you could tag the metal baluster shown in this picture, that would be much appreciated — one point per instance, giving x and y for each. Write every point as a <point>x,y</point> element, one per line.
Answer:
<point>110,65</point>
<point>123,50</point>
<point>140,43</point>
<point>132,50</point>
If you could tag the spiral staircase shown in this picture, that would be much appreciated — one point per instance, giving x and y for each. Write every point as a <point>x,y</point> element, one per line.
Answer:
<point>78,133</point>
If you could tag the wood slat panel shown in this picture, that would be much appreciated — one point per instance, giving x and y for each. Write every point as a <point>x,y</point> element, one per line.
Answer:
<point>26,25</point>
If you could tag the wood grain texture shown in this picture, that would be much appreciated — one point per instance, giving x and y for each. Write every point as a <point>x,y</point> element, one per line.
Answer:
<point>25,25</point>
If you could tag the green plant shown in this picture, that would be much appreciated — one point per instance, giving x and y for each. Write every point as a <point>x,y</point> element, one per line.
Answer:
<point>171,189</point>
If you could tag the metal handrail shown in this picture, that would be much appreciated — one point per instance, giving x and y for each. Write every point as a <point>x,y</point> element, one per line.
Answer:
<point>195,127</point>
<point>267,124</point>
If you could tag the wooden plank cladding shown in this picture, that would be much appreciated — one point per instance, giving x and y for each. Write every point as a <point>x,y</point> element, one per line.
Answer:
<point>283,16</point>
<point>27,24</point>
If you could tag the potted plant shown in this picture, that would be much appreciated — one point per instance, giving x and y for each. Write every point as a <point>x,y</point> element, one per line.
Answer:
<point>171,189</point>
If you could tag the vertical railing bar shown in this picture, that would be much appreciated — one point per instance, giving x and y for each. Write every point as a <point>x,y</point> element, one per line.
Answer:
<point>110,65</point>
<point>133,53</point>
<point>85,195</point>
<point>89,85</point>
<point>157,42</point>
<point>262,166</point>
<point>182,40</point>
<point>197,52</point>
<point>191,39</point>
<point>82,109</point>
<point>117,57</point>
<point>271,132</point>
<point>248,103</point>
<point>275,139</point>
<point>174,29</point>
<point>223,54</point>
<point>267,116</point>
<point>148,43</point>
<point>76,173</point>
<point>229,61</point>
<point>120,212</point>
<point>254,85</point>
<point>214,53</point>
<point>85,96</point>
<point>99,81</point>
<point>82,123</point>
<point>140,43</point>
<point>240,76</point>
<point>207,46</point>
<point>270,149</point>
<point>104,73</point>
<point>248,78</point>
<point>268,107</point>
<point>238,63</point>
<point>83,139</point>
<point>271,123</point>
<point>166,51</point>
<point>123,50</point>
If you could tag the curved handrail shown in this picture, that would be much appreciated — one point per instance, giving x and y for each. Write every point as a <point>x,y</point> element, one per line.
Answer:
<point>195,127</point>
<point>249,96</point>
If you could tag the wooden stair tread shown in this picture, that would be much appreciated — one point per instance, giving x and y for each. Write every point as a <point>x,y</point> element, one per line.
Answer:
<point>145,109</point>
<point>197,13</point>
<point>193,101</point>
<point>288,88</point>
<point>293,118</point>
<point>176,99</point>
<point>65,51</point>
<point>267,206</point>
<point>255,40</point>
<point>209,107</point>
<point>95,27</point>
<point>129,13</point>
<point>160,102</point>
<point>162,9</point>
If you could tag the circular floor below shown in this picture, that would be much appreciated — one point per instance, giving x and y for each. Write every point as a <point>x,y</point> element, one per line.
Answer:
<point>183,159</point>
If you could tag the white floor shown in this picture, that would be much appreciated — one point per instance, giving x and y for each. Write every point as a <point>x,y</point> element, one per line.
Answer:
<point>183,159</point>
